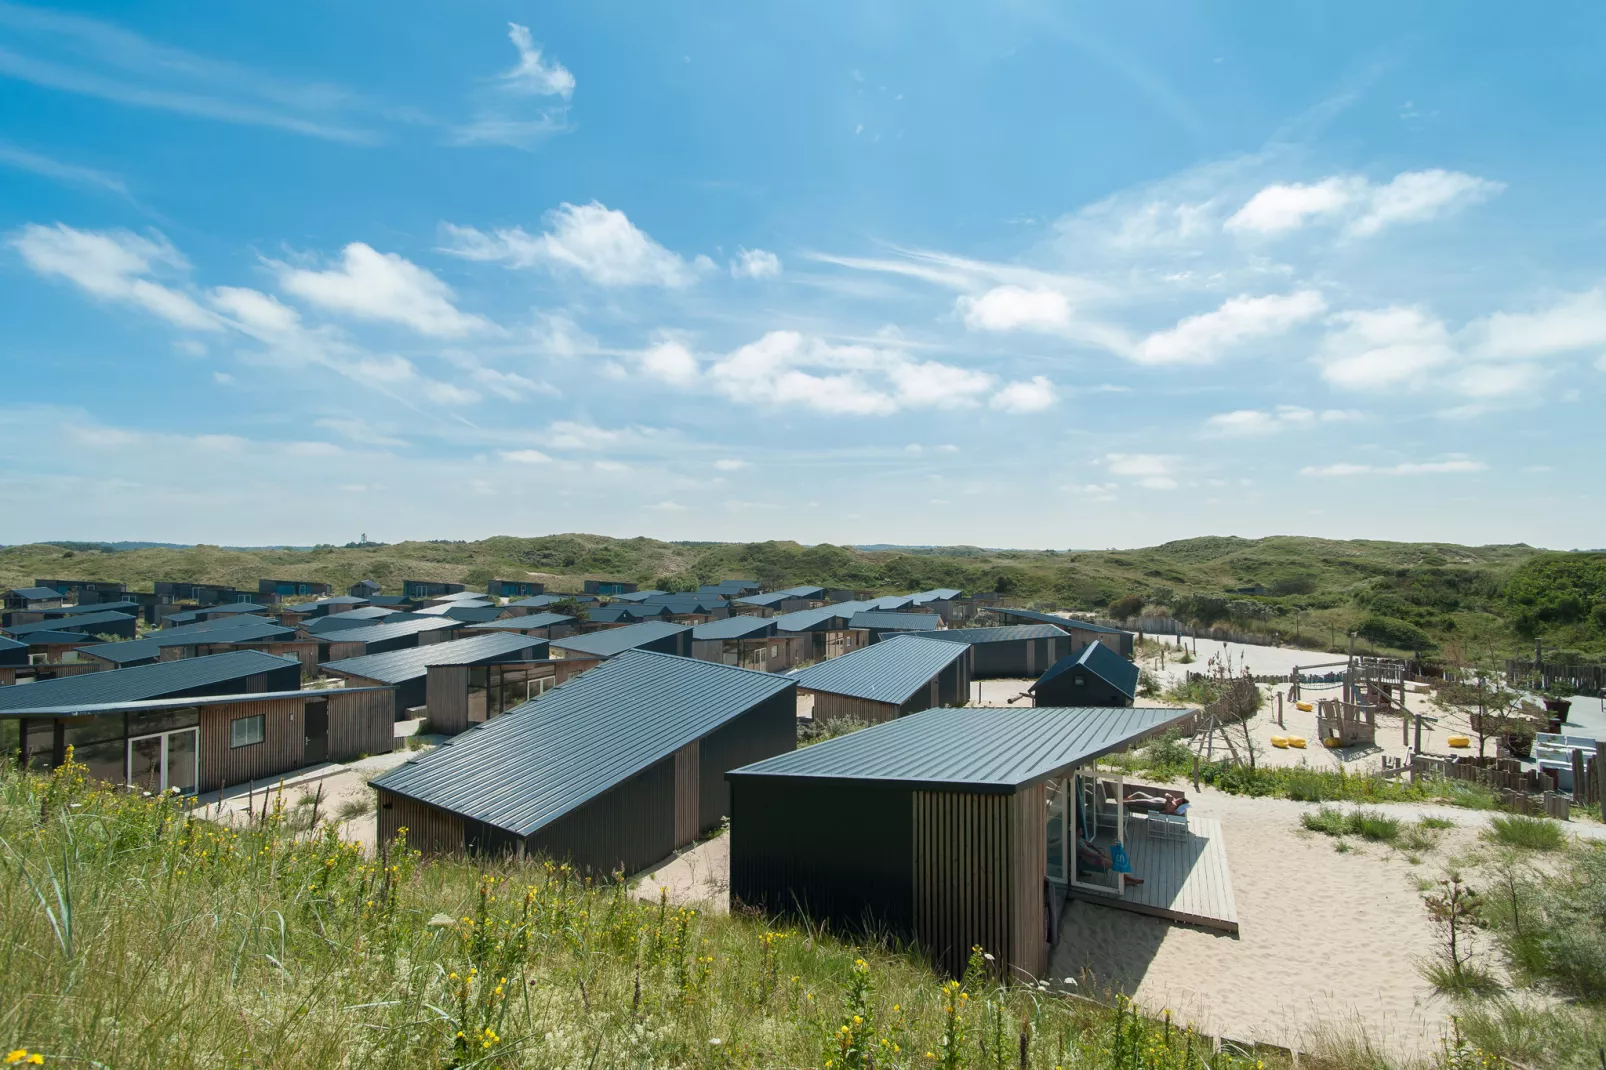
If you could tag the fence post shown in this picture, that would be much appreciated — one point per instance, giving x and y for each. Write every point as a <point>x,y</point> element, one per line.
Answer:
<point>1580,784</point>
<point>1600,771</point>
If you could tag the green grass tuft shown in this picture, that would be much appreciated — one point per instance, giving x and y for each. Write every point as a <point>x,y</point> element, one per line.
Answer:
<point>1529,833</point>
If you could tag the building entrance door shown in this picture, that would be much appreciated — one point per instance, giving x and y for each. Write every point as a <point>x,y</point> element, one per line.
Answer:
<point>165,760</point>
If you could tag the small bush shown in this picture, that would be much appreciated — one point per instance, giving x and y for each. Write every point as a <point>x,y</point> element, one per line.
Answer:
<point>355,808</point>
<point>1327,820</point>
<point>1430,822</point>
<point>1529,833</point>
<point>1367,824</point>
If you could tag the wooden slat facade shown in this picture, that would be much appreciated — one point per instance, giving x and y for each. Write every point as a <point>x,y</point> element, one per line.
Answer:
<point>429,829</point>
<point>362,722</point>
<point>979,869</point>
<point>283,747</point>
<point>447,698</point>
<point>829,707</point>
<point>688,796</point>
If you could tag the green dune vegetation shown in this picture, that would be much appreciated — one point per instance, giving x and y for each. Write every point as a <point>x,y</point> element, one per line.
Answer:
<point>1467,601</point>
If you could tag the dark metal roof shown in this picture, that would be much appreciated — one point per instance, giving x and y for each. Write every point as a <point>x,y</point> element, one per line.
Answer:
<point>679,604</point>
<point>351,618</point>
<point>1050,618</point>
<point>126,651</point>
<point>441,609</point>
<point>892,601</point>
<point>36,594</point>
<point>458,596</point>
<point>891,671</point>
<point>398,666</point>
<point>374,633</point>
<point>982,748</point>
<point>770,598</point>
<point>615,614</point>
<point>606,644</point>
<point>7,643</point>
<point>896,622</point>
<point>83,620</point>
<point>808,619</point>
<point>229,609</point>
<point>936,594</point>
<point>541,600</point>
<point>141,681</point>
<point>513,624</point>
<point>734,628</point>
<point>636,596</point>
<point>534,764</point>
<point>95,607</point>
<point>219,625</point>
<point>50,637</point>
<point>143,705</point>
<point>237,630</point>
<point>473,614</point>
<point>1102,662</point>
<point>1007,634</point>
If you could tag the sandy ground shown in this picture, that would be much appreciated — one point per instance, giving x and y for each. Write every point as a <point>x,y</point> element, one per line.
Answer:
<point>698,875</point>
<point>1325,937</point>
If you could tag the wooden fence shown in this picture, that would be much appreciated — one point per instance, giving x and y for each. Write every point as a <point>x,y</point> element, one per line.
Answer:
<point>1584,679</point>
<point>1521,791</point>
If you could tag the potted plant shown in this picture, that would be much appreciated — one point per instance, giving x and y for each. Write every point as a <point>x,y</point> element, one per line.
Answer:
<point>1558,699</point>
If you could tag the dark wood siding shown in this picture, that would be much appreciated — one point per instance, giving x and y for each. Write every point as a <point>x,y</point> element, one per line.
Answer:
<point>631,825</point>
<point>687,778</point>
<point>282,749</point>
<point>447,698</point>
<point>429,829</point>
<point>363,722</point>
<point>764,731</point>
<point>1064,691</point>
<point>833,850</point>
<point>829,707</point>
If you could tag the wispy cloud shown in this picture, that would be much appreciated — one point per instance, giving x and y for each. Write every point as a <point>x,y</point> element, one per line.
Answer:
<point>72,174</point>
<point>1451,466</point>
<point>524,105</point>
<point>597,243</point>
<point>89,57</point>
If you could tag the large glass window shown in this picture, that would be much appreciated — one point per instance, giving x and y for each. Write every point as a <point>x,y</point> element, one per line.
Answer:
<point>245,731</point>
<point>141,724</point>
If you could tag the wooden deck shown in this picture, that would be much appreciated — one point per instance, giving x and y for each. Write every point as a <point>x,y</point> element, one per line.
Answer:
<point>1183,880</point>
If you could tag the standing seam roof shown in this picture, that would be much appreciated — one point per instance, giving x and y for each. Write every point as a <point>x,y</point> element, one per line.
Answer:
<point>1051,618</point>
<point>529,620</point>
<point>396,666</point>
<point>613,641</point>
<point>142,681</point>
<point>1007,634</point>
<point>890,671</point>
<point>996,748</point>
<point>532,765</point>
<point>734,628</point>
<point>373,633</point>
<point>70,624</point>
<point>899,622</point>
<point>1102,662</point>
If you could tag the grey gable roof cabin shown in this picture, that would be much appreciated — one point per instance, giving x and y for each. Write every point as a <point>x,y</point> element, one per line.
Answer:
<point>614,769</point>
<point>893,677</point>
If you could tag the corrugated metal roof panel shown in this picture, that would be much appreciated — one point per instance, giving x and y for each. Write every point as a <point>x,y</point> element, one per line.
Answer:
<point>179,703</point>
<point>1007,634</point>
<point>770,598</point>
<point>1102,662</point>
<point>235,630</point>
<point>126,651</point>
<point>808,619</point>
<point>896,622</point>
<point>735,628</point>
<point>890,671</point>
<point>398,666</point>
<point>534,764</point>
<point>529,620</point>
<point>83,620</point>
<point>606,644</point>
<point>997,748</point>
<point>1051,618</point>
<point>936,594</point>
<point>373,633</point>
<point>142,681</point>
<point>220,624</point>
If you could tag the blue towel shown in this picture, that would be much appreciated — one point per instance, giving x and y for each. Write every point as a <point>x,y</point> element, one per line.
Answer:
<point>1118,859</point>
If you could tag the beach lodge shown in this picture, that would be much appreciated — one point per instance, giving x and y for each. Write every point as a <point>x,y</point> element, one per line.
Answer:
<point>1082,632</point>
<point>879,624</point>
<point>279,590</point>
<point>956,828</point>
<point>539,625</point>
<point>87,592</point>
<point>543,602</point>
<point>419,590</point>
<point>462,682</point>
<point>514,588</point>
<point>826,629</point>
<point>609,588</point>
<point>614,770</point>
<point>770,603</point>
<point>890,679</point>
<point>120,625</point>
<point>1013,651</point>
<point>655,635</point>
<point>378,638</point>
<point>40,597</point>
<point>750,642</point>
<point>1096,676</point>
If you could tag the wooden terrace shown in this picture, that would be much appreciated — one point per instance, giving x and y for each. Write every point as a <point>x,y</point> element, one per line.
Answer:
<point>1185,875</point>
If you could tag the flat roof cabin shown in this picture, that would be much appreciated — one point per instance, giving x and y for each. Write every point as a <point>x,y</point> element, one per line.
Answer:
<point>614,770</point>
<point>419,589</point>
<point>609,587</point>
<point>515,588</point>
<point>946,827</point>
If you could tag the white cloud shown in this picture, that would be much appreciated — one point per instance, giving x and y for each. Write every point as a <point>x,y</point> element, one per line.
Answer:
<point>1033,395</point>
<point>359,430</point>
<point>731,464</point>
<point>596,242</point>
<point>1284,207</point>
<point>933,385</point>
<point>1202,338</point>
<point>114,265</point>
<point>382,286</point>
<point>1454,465</point>
<point>1419,196</point>
<point>441,393</point>
<point>755,264</point>
<point>1254,423</point>
<point>525,457</point>
<point>535,73</point>
<point>509,385</point>
<point>1577,322</point>
<point>1152,471</point>
<point>669,361</point>
<point>667,507</point>
<point>1410,197</point>
<point>1385,349</point>
<point>1010,308</point>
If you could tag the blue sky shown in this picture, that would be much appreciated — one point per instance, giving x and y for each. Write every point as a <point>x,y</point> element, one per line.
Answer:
<point>1036,275</point>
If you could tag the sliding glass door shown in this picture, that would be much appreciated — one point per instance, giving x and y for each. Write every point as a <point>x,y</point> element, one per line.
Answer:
<point>163,761</point>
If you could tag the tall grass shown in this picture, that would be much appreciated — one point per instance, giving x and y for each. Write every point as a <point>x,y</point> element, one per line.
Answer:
<point>1529,833</point>
<point>1304,784</point>
<point>139,936</point>
<point>1367,824</point>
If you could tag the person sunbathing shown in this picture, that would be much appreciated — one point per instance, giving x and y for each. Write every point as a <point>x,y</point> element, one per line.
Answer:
<point>1167,803</point>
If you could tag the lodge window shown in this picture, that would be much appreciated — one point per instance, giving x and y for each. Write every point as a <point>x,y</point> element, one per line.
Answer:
<point>245,731</point>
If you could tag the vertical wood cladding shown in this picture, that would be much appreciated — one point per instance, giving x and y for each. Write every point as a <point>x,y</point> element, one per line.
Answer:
<point>764,731</point>
<point>429,829</point>
<point>363,722</point>
<point>447,698</point>
<point>631,825</point>
<point>282,749</point>
<point>687,778</point>
<point>979,864</point>
<point>828,707</point>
